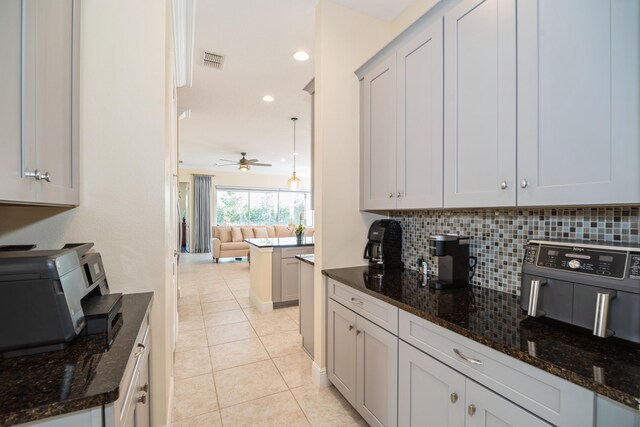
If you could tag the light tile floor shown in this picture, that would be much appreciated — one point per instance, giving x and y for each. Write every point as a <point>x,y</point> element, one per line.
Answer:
<point>236,366</point>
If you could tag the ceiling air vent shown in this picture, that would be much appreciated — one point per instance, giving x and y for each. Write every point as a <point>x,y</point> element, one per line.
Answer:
<point>212,60</point>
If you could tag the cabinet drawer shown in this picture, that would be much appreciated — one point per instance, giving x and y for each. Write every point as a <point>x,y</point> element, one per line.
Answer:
<point>292,252</point>
<point>128,392</point>
<point>551,398</point>
<point>372,309</point>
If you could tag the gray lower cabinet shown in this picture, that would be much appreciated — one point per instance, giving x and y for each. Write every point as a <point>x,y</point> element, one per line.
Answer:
<point>290,279</point>
<point>306,306</point>
<point>432,394</point>
<point>39,104</point>
<point>429,393</point>
<point>362,364</point>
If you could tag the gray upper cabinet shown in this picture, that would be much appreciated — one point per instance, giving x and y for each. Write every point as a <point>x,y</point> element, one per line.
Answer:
<point>480,104</point>
<point>13,185</point>
<point>578,102</point>
<point>379,136</point>
<point>419,144</point>
<point>40,151</point>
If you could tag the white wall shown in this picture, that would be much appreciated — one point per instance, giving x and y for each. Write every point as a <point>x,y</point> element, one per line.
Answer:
<point>345,39</point>
<point>124,178</point>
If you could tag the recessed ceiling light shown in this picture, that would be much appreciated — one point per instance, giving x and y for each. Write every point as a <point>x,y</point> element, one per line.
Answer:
<point>295,153</point>
<point>283,160</point>
<point>268,98</point>
<point>301,55</point>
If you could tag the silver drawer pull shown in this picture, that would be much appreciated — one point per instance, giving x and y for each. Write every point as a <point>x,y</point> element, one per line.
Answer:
<point>46,177</point>
<point>356,301</point>
<point>35,174</point>
<point>454,397</point>
<point>140,351</point>
<point>467,358</point>
<point>143,399</point>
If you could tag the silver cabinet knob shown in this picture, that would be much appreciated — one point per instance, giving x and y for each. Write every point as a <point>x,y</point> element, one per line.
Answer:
<point>503,185</point>
<point>46,177</point>
<point>145,388</point>
<point>398,194</point>
<point>358,331</point>
<point>142,399</point>
<point>454,397</point>
<point>471,410</point>
<point>33,174</point>
<point>390,195</point>
<point>524,183</point>
<point>350,327</point>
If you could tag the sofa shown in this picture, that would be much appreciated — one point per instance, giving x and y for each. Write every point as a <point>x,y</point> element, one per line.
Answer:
<point>228,241</point>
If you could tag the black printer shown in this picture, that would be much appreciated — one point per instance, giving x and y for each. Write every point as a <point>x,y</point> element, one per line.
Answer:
<point>48,297</point>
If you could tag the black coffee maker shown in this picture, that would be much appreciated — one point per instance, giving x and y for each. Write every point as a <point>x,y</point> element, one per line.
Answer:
<point>455,266</point>
<point>384,248</point>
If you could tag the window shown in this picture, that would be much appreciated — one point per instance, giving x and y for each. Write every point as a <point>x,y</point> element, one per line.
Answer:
<point>254,206</point>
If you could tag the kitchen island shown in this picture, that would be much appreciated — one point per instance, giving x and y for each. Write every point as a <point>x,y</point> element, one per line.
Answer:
<point>275,270</point>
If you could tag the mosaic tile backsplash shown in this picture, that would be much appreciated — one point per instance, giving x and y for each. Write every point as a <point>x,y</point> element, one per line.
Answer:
<point>498,236</point>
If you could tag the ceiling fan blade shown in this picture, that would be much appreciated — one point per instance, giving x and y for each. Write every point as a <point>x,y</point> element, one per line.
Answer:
<point>252,161</point>
<point>226,164</point>
<point>261,164</point>
<point>232,161</point>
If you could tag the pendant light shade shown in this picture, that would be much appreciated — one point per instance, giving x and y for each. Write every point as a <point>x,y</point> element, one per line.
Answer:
<point>294,182</point>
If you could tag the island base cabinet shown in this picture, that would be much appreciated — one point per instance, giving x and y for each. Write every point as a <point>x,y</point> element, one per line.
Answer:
<point>433,395</point>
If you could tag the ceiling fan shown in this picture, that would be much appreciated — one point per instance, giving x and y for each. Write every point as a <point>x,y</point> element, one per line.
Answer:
<point>243,164</point>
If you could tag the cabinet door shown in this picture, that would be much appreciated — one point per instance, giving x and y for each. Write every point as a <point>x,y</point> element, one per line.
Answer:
<point>15,158</point>
<point>289,279</point>
<point>420,144</point>
<point>306,306</point>
<point>341,349</point>
<point>578,103</point>
<point>379,144</point>
<point>480,104</point>
<point>51,39</point>
<point>487,409</point>
<point>143,414</point>
<point>377,375</point>
<point>430,394</point>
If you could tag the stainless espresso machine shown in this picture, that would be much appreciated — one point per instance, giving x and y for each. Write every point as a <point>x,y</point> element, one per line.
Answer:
<point>586,284</point>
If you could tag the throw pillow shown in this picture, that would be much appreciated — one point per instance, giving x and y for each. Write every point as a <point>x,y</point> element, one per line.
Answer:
<point>236,234</point>
<point>225,234</point>
<point>284,231</point>
<point>247,232</point>
<point>260,232</point>
<point>271,231</point>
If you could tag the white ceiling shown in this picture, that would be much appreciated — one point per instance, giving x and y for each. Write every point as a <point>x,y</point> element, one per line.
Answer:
<point>385,10</point>
<point>227,114</point>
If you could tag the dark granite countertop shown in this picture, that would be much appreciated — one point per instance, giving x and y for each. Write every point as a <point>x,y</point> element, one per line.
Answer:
<point>308,258</point>
<point>610,367</point>
<point>281,242</point>
<point>79,377</point>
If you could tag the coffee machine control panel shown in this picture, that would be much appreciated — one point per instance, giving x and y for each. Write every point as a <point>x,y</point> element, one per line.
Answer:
<point>580,259</point>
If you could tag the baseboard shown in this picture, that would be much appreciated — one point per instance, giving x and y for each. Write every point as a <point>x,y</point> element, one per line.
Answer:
<point>170,408</point>
<point>319,376</point>
<point>262,306</point>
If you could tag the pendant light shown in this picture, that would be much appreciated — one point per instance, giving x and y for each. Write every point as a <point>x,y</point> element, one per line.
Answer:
<point>294,182</point>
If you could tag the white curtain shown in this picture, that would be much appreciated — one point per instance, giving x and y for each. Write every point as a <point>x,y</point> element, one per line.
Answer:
<point>202,210</point>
